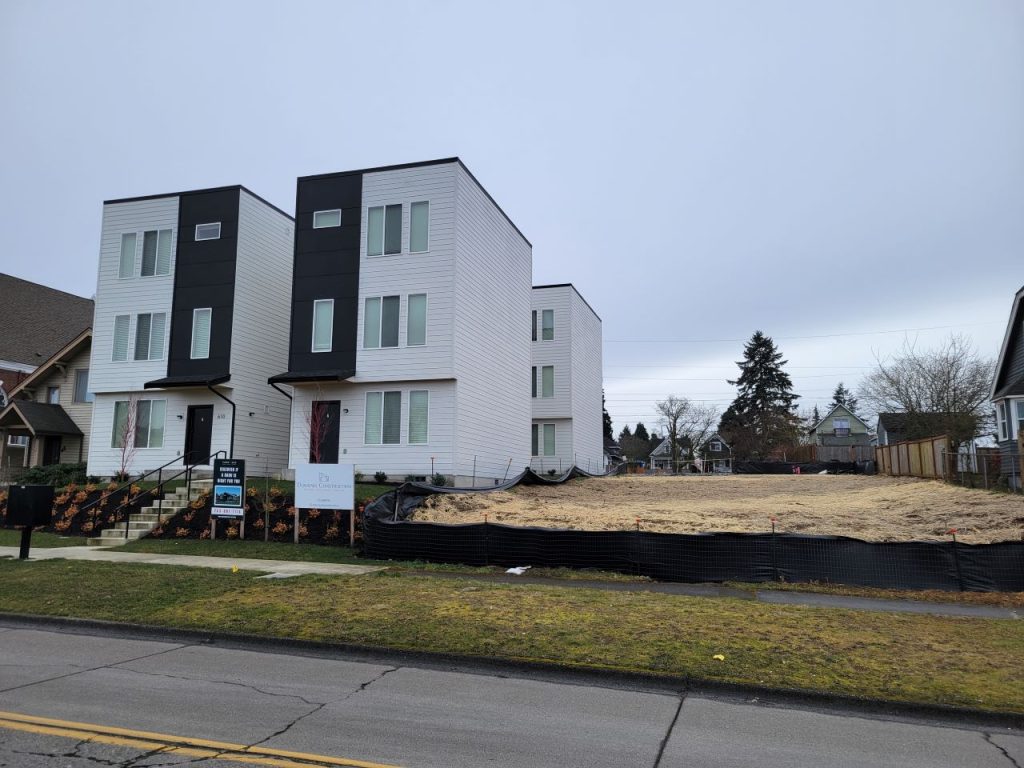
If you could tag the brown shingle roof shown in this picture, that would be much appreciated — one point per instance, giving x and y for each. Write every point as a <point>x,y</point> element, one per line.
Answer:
<point>37,320</point>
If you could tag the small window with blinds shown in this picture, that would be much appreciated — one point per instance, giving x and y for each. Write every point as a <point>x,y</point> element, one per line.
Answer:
<point>418,408</point>
<point>383,425</point>
<point>384,230</point>
<point>419,226</point>
<point>126,266</point>
<point>156,253</point>
<point>149,336</point>
<point>201,320</point>
<point>209,231</point>
<point>416,330</point>
<point>121,329</point>
<point>380,322</point>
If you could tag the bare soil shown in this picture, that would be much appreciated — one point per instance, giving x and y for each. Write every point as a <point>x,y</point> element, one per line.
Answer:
<point>874,508</point>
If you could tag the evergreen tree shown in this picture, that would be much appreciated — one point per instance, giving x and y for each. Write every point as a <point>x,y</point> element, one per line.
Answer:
<point>816,415</point>
<point>608,434</point>
<point>761,418</point>
<point>843,396</point>
<point>625,434</point>
<point>640,433</point>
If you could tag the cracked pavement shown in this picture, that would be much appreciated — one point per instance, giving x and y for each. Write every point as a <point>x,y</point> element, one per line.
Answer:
<point>421,716</point>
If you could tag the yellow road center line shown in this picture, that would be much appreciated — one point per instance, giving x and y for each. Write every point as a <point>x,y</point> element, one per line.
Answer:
<point>180,745</point>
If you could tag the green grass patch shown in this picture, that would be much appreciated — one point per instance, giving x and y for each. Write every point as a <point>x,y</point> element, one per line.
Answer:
<point>10,537</point>
<point>903,657</point>
<point>996,599</point>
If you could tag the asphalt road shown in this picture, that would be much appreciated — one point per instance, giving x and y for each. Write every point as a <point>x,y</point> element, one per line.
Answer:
<point>75,698</point>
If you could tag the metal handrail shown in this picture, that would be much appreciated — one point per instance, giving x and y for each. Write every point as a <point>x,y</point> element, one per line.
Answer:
<point>161,482</point>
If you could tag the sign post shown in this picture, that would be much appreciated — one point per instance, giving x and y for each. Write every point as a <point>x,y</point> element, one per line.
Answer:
<point>229,491</point>
<point>326,486</point>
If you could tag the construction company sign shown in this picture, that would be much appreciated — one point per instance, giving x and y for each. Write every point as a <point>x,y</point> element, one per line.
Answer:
<point>325,486</point>
<point>228,488</point>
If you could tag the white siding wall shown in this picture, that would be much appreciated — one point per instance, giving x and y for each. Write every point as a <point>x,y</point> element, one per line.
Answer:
<point>259,335</point>
<point>396,460</point>
<point>563,458</point>
<point>557,352</point>
<point>130,296</point>
<point>105,461</point>
<point>432,273</point>
<point>492,350</point>
<point>587,379</point>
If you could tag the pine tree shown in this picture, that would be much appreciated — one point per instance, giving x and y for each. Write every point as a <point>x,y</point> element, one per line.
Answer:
<point>640,433</point>
<point>761,417</point>
<point>608,434</point>
<point>843,396</point>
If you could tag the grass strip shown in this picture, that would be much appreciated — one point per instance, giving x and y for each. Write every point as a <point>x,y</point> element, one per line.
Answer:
<point>10,537</point>
<point>902,657</point>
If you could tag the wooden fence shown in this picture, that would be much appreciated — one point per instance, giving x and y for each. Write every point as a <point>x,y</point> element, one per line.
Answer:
<point>914,458</point>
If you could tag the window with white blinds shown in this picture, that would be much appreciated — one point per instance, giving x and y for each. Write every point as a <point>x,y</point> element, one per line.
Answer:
<point>323,325</point>
<point>549,439</point>
<point>416,331</point>
<point>149,336</point>
<point>380,322</point>
<point>548,325</point>
<point>149,423</point>
<point>120,426</point>
<point>419,220</point>
<point>156,253</point>
<point>383,423</point>
<point>201,320</point>
<point>121,328</point>
<point>126,267</point>
<point>418,407</point>
<point>547,375</point>
<point>384,230</point>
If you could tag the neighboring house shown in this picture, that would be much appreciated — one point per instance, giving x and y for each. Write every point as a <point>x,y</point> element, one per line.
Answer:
<point>37,323</point>
<point>189,323</point>
<point>1008,392</point>
<point>612,453</point>
<point>407,353</point>
<point>661,456</point>
<point>840,427</point>
<point>565,381</point>
<point>897,427</point>
<point>48,416</point>
<point>715,454</point>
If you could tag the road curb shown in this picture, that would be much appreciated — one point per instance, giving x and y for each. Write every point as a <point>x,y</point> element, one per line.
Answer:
<point>961,717</point>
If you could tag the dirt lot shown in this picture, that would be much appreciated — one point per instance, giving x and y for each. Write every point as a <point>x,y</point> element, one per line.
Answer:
<point>874,508</point>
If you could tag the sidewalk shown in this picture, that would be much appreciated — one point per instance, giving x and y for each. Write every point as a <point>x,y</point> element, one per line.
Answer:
<point>280,569</point>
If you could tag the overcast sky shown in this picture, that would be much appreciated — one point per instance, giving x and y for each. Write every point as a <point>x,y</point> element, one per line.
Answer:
<point>831,173</point>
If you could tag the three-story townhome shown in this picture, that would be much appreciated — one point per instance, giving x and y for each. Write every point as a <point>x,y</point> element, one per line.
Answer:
<point>406,352</point>
<point>190,320</point>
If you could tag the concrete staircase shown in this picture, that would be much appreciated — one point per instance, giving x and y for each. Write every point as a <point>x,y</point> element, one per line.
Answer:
<point>148,518</point>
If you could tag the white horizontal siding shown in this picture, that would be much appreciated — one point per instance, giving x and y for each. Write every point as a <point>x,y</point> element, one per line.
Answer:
<point>587,382</point>
<point>564,449</point>
<point>557,352</point>
<point>132,295</point>
<point>80,413</point>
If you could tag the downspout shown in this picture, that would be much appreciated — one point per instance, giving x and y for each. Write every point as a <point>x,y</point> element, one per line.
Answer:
<point>280,390</point>
<point>231,451</point>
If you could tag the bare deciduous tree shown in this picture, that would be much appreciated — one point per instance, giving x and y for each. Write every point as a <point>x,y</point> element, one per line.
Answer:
<point>950,383</point>
<point>125,434</point>
<point>317,426</point>
<point>686,424</point>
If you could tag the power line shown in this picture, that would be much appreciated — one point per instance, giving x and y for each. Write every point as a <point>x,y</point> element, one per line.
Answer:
<point>797,338</point>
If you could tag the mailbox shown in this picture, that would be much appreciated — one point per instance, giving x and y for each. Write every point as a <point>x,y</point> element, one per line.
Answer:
<point>30,505</point>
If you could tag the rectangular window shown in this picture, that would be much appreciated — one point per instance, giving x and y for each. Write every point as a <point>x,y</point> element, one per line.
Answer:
<point>18,441</point>
<point>156,253</point>
<point>380,324</point>
<point>127,264</point>
<point>419,218</point>
<point>533,381</point>
<point>149,336</point>
<point>201,321</point>
<point>53,395</point>
<point>547,374</point>
<point>1004,432</point>
<point>327,219</point>
<point>841,427</point>
<point>548,325</point>
<point>716,446</point>
<point>121,325</point>
<point>209,231</point>
<point>416,326</point>
<point>535,440</point>
<point>82,393</point>
<point>418,402</point>
<point>117,434</point>
<point>149,423</point>
<point>533,325</point>
<point>1020,417</point>
<point>549,439</point>
<point>323,325</point>
<point>384,230</point>
<point>383,418</point>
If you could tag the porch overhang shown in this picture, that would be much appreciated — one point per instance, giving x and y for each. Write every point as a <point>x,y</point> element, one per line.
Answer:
<point>299,377</point>
<point>38,419</point>
<point>198,380</point>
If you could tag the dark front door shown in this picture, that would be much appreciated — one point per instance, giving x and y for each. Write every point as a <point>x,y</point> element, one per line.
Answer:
<point>51,449</point>
<point>198,432</point>
<point>324,431</point>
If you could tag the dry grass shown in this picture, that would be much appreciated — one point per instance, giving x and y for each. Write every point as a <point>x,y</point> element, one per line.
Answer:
<point>873,508</point>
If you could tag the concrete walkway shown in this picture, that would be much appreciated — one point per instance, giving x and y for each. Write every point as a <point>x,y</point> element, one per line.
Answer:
<point>273,568</point>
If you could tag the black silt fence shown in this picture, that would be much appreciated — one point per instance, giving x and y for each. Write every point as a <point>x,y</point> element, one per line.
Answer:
<point>746,557</point>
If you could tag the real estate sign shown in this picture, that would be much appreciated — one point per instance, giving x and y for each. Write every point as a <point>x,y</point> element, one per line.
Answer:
<point>228,488</point>
<point>325,486</point>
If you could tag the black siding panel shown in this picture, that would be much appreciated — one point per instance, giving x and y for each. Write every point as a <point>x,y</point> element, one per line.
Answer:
<point>326,267</point>
<point>204,276</point>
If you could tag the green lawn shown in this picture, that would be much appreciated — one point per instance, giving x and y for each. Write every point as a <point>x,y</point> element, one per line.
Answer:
<point>10,537</point>
<point>903,657</point>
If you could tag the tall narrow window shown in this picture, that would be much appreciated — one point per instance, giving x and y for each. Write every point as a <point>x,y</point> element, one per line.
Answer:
<point>547,374</point>
<point>380,328</point>
<point>1004,431</point>
<point>149,336</point>
<point>533,381</point>
<point>327,219</point>
<point>419,217</point>
<point>534,440</point>
<point>384,230</point>
<point>416,327</point>
<point>371,430</point>
<point>548,325</point>
<point>533,325</point>
<point>82,393</point>
<point>323,325</point>
<point>127,264</point>
<point>121,325</point>
<point>418,411</point>
<point>209,231</point>
<point>53,395</point>
<point>383,418</point>
<point>201,320</point>
<point>156,253</point>
<point>549,439</point>
<point>1020,417</point>
<point>149,423</point>
<point>117,434</point>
